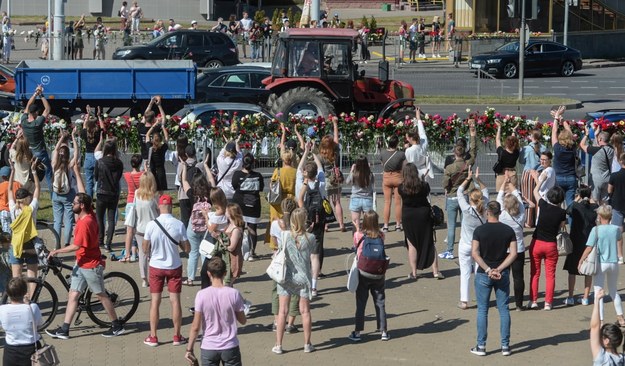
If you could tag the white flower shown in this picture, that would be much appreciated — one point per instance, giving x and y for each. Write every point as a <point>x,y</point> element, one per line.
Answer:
<point>547,138</point>
<point>79,121</point>
<point>167,117</point>
<point>105,115</point>
<point>468,110</point>
<point>427,116</point>
<point>400,124</point>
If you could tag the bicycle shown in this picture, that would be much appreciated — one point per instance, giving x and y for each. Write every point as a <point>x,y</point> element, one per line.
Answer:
<point>48,235</point>
<point>120,287</point>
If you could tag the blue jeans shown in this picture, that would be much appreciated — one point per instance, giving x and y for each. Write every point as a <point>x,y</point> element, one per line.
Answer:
<point>63,214</point>
<point>89,172</point>
<point>569,184</point>
<point>453,209</point>
<point>483,288</point>
<point>44,158</point>
<point>195,238</point>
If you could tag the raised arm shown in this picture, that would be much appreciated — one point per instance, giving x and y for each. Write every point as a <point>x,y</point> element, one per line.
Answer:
<point>31,100</point>
<point>302,161</point>
<point>149,107</point>
<point>185,183</point>
<point>80,184</point>
<point>584,143</point>
<point>596,342</point>
<point>498,136</point>
<point>33,169</point>
<point>46,105</point>
<point>207,171</point>
<point>335,126</point>
<point>472,142</point>
<point>282,137</point>
<point>462,200</point>
<point>479,180</point>
<point>76,157</point>
<point>299,136</point>
<point>422,135</point>
<point>149,134</point>
<point>557,117</point>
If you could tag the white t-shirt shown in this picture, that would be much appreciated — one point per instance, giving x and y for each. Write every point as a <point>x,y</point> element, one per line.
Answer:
<point>15,212</point>
<point>246,24</point>
<point>276,232</point>
<point>220,220</point>
<point>299,182</point>
<point>224,175</point>
<point>16,320</point>
<point>164,253</point>
<point>549,181</point>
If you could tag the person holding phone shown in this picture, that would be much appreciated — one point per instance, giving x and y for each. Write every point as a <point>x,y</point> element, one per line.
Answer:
<point>32,124</point>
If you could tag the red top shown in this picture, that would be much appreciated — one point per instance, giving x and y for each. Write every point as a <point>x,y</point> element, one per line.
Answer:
<point>88,256</point>
<point>4,197</point>
<point>132,181</point>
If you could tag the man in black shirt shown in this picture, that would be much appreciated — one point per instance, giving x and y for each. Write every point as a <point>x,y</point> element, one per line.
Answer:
<point>493,249</point>
<point>616,190</point>
<point>148,119</point>
<point>32,126</point>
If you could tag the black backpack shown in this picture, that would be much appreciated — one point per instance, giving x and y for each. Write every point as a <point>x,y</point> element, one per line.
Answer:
<point>314,205</point>
<point>192,172</point>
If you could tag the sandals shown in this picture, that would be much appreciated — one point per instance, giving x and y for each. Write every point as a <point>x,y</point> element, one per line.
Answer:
<point>125,259</point>
<point>188,282</point>
<point>385,229</point>
<point>439,276</point>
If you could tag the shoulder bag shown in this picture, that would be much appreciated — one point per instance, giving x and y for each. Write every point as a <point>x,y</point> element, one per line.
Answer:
<point>207,248</point>
<point>45,355</point>
<point>498,167</point>
<point>166,233</point>
<point>277,267</point>
<point>226,172</point>
<point>274,196</point>
<point>580,170</point>
<point>565,245</point>
<point>588,267</point>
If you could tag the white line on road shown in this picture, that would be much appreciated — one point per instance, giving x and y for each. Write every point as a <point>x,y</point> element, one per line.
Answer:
<point>552,81</point>
<point>589,87</point>
<point>587,94</point>
<point>560,87</point>
<point>579,81</point>
<point>617,87</point>
<point>555,94</point>
<point>531,87</point>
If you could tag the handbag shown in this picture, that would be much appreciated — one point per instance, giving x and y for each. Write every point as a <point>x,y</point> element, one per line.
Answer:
<point>277,267</point>
<point>274,196</point>
<point>580,170</point>
<point>206,247</point>
<point>352,276</point>
<point>588,267</point>
<point>565,245</point>
<point>329,213</point>
<point>498,167</point>
<point>437,216</point>
<point>46,354</point>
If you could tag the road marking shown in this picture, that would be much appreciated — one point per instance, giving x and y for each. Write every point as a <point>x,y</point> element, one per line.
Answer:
<point>616,95</point>
<point>555,94</point>
<point>552,81</point>
<point>589,87</point>
<point>586,94</point>
<point>579,81</point>
<point>560,87</point>
<point>617,87</point>
<point>531,87</point>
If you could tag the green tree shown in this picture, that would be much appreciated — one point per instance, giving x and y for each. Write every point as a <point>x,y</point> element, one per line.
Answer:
<point>364,21</point>
<point>259,16</point>
<point>373,24</point>
<point>289,14</point>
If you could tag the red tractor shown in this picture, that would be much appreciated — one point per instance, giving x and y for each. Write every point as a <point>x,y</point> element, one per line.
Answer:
<point>313,74</point>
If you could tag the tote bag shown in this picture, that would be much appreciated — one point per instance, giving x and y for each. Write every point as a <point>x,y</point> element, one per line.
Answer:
<point>274,196</point>
<point>588,267</point>
<point>277,267</point>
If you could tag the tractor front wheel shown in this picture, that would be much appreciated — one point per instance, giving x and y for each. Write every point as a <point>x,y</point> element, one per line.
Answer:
<point>304,101</point>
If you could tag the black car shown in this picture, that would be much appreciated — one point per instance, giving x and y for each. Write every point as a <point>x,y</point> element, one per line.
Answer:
<point>241,83</point>
<point>540,57</point>
<point>205,48</point>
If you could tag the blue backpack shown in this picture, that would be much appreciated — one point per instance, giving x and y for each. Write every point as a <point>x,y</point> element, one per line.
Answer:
<point>373,259</point>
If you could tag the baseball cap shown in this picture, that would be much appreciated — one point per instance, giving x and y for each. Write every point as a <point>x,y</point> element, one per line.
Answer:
<point>165,200</point>
<point>194,22</point>
<point>291,144</point>
<point>5,171</point>
<point>231,147</point>
<point>22,193</point>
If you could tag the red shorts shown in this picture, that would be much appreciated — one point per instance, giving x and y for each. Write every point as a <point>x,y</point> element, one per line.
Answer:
<point>158,277</point>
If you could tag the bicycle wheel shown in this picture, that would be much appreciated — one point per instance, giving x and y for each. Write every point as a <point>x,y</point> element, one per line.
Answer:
<point>45,297</point>
<point>124,294</point>
<point>50,237</point>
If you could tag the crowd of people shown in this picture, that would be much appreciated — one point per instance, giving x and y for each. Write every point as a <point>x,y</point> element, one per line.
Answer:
<point>220,204</point>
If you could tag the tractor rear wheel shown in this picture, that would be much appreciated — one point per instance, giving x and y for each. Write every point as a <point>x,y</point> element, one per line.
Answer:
<point>304,101</point>
<point>400,114</point>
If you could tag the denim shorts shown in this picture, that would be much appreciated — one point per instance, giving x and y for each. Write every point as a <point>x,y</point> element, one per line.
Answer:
<point>26,258</point>
<point>360,204</point>
<point>92,277</point>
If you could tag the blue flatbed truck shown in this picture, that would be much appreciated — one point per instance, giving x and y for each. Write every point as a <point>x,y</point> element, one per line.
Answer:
<point>71,85</point>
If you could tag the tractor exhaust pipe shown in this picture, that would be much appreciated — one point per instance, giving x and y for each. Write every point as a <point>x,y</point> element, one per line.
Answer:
<point>383,65</point>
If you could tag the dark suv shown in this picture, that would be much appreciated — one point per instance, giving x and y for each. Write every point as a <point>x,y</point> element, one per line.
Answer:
<point>205,48</point>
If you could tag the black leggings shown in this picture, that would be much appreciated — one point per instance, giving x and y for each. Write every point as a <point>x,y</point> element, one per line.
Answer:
<point>517,275</point>
<point>252,234</point>
<point>319,231</point>
<point>106,204</point>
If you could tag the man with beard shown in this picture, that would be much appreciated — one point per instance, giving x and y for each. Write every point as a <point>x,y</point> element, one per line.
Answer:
<point>89,268</point>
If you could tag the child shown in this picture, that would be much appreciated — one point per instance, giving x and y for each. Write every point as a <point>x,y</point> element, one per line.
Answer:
<point>369,283</point>
<point>362,190</point>
<point>5,216</point>
<point>217,224</point>
<point>234,232</point>
<point>132,182</point>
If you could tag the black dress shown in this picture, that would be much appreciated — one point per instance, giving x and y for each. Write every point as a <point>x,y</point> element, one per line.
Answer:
<point>157,167</point>
<point>418,228</point>
<point>583,219</point>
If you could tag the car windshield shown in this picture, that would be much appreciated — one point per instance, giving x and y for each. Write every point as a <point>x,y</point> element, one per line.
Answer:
<point>158,39</point>
<point>509,47</point>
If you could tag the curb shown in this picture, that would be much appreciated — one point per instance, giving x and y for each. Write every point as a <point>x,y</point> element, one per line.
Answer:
<point>602,65</point>
<point>518,107</point>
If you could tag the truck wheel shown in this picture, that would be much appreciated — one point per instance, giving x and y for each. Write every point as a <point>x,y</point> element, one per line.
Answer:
<point>401,114</point>
<point>305,101</point>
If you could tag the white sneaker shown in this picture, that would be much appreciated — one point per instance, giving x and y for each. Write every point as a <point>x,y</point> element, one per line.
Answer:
<point>309,348</point>
<point>277,350</point>
<point>439,55</point>
<point>620,260</point>
<point>247,305</point>
<point>569,301</point>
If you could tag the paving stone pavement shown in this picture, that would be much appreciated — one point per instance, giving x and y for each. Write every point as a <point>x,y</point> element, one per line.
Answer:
<point>425,325</point>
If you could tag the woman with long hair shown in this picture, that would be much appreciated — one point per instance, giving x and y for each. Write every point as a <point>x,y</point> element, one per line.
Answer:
<point>145,211</point>
<point>234,244</point>
<point>362,181</point>
<point>606,237</point>
<point>21,158</point>
<point>530,158</point>
<point>108,173</point>
<point>551,218</point>
<point>132,178</point>
<point>583,214</point>
<point>158,151</point>
<point>616,141</point>
<point>247,185</point>
<point>91,137</point>
<point>605,339</point>
<point>419,236</point>
<point>507,155</point>
<point>513,215</point>
<point>217,224</point>
<point>369,282</point>
<point>473,215</point>
<point>228,161</point>
<point>298,247</point>
<point>286,175</point>
<point>63,186</point>
<point>393,161</point>
<point>277,227</point>
<point>181,156</point>
<point>564,153</point>
<point>198,192</point>
<point>329,154</point>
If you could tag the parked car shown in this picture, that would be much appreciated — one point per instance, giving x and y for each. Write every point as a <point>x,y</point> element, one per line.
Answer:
<point>612,115</point>
<point>205,48</point>
<point>541,57</point>
<point>207,111</point>
<point>8,102</point>
<point>7,79</point>
<point>233,84</point>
